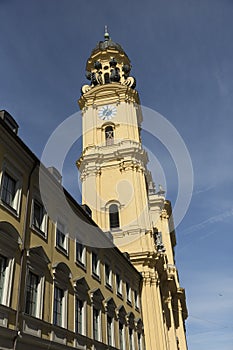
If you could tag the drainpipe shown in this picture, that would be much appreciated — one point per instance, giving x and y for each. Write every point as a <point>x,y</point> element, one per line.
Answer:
<point>22,259</point>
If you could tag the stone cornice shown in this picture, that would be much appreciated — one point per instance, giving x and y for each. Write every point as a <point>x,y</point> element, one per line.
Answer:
<point>127,155</point>
<point>111,93</point>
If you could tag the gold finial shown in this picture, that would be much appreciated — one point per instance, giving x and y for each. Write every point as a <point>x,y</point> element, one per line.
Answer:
<point>106,34</point>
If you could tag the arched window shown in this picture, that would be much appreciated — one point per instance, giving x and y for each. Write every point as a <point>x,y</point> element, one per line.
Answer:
<point>109,135</point>
<point>114,216</point>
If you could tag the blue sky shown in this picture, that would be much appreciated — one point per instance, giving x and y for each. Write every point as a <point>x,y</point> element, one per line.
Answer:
<point>182,57</point>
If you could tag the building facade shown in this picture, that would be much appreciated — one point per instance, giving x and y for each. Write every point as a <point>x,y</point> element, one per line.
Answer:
<point>119,189</point>
<point>55,292</point>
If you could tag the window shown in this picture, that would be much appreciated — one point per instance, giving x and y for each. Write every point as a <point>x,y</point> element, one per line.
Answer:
<point>110,330</point>
<point>121,336</point>
<point>58,308</point>
<point>61,238</point>
<point>39,219</point>
<point>96,323</point>
<point>136,301</point>
<point>97,298</point>
<point>139,336</point>
<point>118,284</point>
<point>61,276</point>
<point>109,135</point>
<point>32,294</point>
<point>3,265</point>
<point>79,316</point>
<point>114,216</point>
<point>10,191</point>
<point>131,339</point>
<point>80,253</point>
<point>128,292</point>
<point>108,275</point>
<point>95,265</point>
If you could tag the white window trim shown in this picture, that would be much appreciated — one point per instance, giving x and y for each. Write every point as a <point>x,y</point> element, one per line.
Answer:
<point>99,323</point>
<point>84,315</point>
<point>133,340</point>
<point>15,174</point>
<point>64,306</point>
<point>65,248</point>
<point>128,293</point>
<point>83,257</point>
<point>97,272</point>
<point>141,341</point>
<point>123,334</point>
<point>40,292</point>
<point>8,247</point>
<point>7,285</point>
<point>108,284</point>
<point>136,299</point>
<point>44,230</point>
<point>112,330</point>
<point>120,286</point>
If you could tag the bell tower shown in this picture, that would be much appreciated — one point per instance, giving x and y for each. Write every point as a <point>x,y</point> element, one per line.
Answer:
<point>120,192</point>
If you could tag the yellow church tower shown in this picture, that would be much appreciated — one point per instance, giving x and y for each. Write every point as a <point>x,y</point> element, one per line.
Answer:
<point>119,190</point>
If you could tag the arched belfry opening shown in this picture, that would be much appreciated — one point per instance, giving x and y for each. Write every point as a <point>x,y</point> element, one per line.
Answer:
<point>114,219</point>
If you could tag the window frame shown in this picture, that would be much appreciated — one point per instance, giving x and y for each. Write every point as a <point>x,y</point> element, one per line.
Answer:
<point>118,285</point>
<point>81,331</point>
<point>95,269</point>
<point>62,247</point>
<point>131,338</point>
<point>43,227</point>
<point>13,174</point>
<point>61,280</point>
<point>39,295</point>
<point>121,333</point>
<point>98,323</point>
<point>82,258</point>
<point>109,141</point>
<point>128,292</point>
<point>110,335</point>
<point>3,272</point>
<point>108,279</point>
<point>136,299</point>
<point>8,280</point>
<point>114,217</point>
<point>62,312</point>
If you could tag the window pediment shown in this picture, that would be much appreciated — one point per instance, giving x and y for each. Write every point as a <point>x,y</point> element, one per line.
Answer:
<point>38,259</point>
<point>9,239</point>
<point>62,274</point>
<point>81,288</point>
<point>96,296</point>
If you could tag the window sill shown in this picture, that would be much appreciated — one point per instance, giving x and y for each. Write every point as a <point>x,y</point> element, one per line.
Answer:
<point>38,231</point>
<point>129,302</point>
<point>96,277</point>
<point>10,209</point>
<point>108,286</point>
<point>81,265</point>
<point>120,295</point>
<point>62,250</point>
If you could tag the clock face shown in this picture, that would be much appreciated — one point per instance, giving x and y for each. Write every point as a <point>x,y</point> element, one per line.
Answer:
<point>107,112</point>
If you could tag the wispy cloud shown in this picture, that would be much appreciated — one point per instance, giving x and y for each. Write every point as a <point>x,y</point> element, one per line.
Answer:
<point>202,190</point>
<point>211,220</point>
<point>213,340</point>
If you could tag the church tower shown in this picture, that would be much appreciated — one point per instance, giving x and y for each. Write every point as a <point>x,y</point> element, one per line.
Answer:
<point>118,188</point>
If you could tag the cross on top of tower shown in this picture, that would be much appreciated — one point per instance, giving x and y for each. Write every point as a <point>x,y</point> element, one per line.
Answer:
<point>106,34</point>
